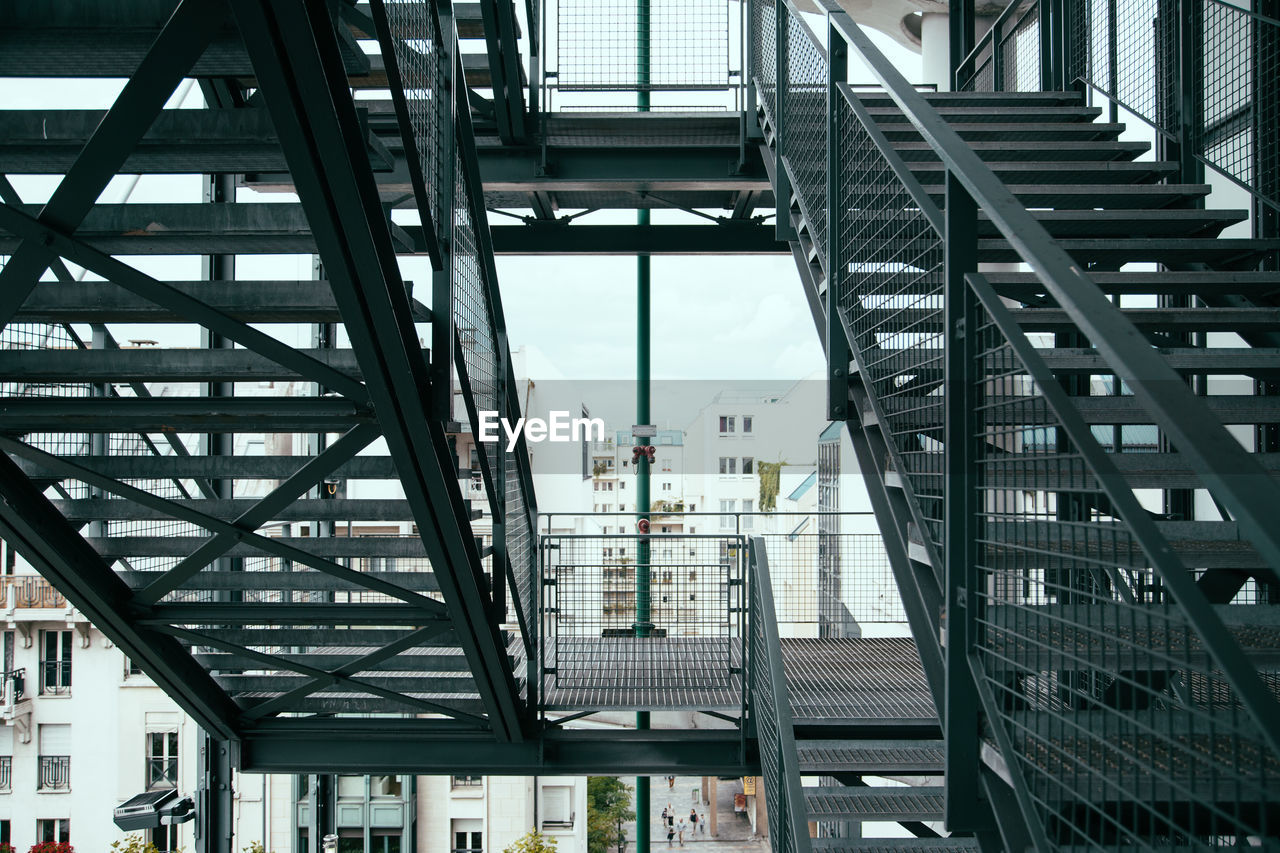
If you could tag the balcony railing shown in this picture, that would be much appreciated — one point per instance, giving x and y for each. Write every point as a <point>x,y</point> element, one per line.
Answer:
<point>32,591</point>
<point>54,773</point>
<point>55,677</point>
<point>14,686</point>
<point>6,772</point>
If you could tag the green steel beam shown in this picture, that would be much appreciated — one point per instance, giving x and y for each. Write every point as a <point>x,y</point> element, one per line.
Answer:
<point>554,239</point>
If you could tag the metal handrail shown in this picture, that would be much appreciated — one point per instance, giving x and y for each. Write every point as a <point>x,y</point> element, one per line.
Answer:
<point>790,785</point>
<point>971,61</point>
<point>1250,494</point>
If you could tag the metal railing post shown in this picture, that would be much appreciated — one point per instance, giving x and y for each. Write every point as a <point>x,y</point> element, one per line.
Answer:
<point>782,183</point>
<point>962,36</point>
<point>1190,65</point>
<point>838,354</point>
<point>963,811</point>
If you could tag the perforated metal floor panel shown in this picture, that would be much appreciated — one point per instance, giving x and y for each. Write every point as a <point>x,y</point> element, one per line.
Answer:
<point>870,757</point>
<point>623,673</point>
<point>852,680</point>
<point>889,804</point>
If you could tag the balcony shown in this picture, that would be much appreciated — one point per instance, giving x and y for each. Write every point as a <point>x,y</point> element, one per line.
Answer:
<point>6,772</point>
<point>162,772</point>
<point>54,773</point>
<point>32,592</point>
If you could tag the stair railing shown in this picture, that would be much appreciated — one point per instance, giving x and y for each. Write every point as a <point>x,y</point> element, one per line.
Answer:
<point>769,707</point>
<point>1034,568</point>
<point>1200,72</point>
<point>420,49</point>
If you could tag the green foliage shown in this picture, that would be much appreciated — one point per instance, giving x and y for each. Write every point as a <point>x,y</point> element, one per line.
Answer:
<point>254,847</point>
<point>131,844</point>
<point>532,842</point>
<point>608,806</point>
<point>769,473</point>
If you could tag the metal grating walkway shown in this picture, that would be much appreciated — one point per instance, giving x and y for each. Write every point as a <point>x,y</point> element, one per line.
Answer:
<point>895,845</point>
<point>658,673</point>
<point>879,804</point>
<point>845,681</point>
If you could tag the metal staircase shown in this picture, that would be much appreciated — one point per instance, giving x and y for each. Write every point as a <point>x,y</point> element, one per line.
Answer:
<point>1055,453</point>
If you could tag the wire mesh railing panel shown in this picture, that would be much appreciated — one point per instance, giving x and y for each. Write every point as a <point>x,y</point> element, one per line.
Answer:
<point>804,120</point>
<point>687,589</point>
<point>603,45</point>
<point>831,583</point>
<point>889,289</point>
<point>771,713</point>
<point>519,538</point>
<point>42,336</point>
<point>1122,725</point>
<point>1021,52</point>
<point>423,60</point>
<point>763,33</point>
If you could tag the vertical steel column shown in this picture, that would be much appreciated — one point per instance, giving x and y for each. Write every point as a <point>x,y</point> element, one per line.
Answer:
<point>961,26</point>
<point>215,801</point>
<point>782,181</point>
<point>1113,63</point>
<point>1190,65</point>
<point>442,328</point>
<point>837,344</point>
<point>963,806</point>
<point>644,620</point>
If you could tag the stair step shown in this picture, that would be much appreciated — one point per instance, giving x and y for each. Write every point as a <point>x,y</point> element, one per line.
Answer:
<point>879,804</point>
<point>1127,223</point>
<point>1016,151</point>
<point>1014,131</point>
<point>1256,285</point>
<point>1140,470</point>
<point>1229,408</point>
<point>1002,100</point>
<point>1221,252</point>
<point>1230,361</point>
<point>871,757</point>
<point>1163,319</point>
<point>893,845</point>
<point>1013,172</point>
<point>1089,196</point>
<point>1002,115</point>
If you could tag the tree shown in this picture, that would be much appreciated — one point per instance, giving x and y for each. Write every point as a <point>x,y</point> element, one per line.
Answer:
<point>608,806</point>
<point>532,842</point>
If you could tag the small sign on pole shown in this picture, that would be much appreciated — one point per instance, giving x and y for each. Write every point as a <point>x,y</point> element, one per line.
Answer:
<point>644,430</point>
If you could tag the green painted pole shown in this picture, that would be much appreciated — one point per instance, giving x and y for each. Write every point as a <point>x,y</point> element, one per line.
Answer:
<point>644,614</point>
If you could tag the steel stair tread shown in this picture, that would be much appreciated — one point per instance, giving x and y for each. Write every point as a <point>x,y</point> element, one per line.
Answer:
<point>875,804</point>
<point>1014,172</point>
<point>1002,100</point>
<point>1019,151</point>
<point>1222,251</point>
<point>955,114</point>
<point>1013,131</point>
<point>1022,284</point>
<point>893,845</point>
<point>1036,319</point>
<point>1089,196</point>
<point>872,757</point>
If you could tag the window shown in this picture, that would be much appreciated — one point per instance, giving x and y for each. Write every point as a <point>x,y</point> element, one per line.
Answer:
<point>748,465</point>
<point>55,662</point>
<point>55,757</point>
<point>6,760</point>
<point>162,760</point>
<point>746,423</point>
<point>466,782</point>
<point>468,836</point>
<point>748,506</point>
<point>728,465</point>
<point>6,832</point>
<point>622,485</point>
<point>693,507</point>
<point>622,507</point>
<point>726,424</point>
<point>597,485</point>
<point>666,464</point>
<point>666,487</point>
<point>57,830</point>
<point>557,807</point>
<point>726,521</point>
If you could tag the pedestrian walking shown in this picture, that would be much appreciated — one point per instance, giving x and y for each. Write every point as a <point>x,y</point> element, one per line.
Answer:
<point>666,811</point>
<point>670,815</point>
<point>671,781</point>
<point>693,820</point>
<point>702,823</point>
<point>671,833</point>
<point>680,831</point>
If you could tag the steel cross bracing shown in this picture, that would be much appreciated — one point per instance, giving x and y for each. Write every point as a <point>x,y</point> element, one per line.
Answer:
<point>219,573</point>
